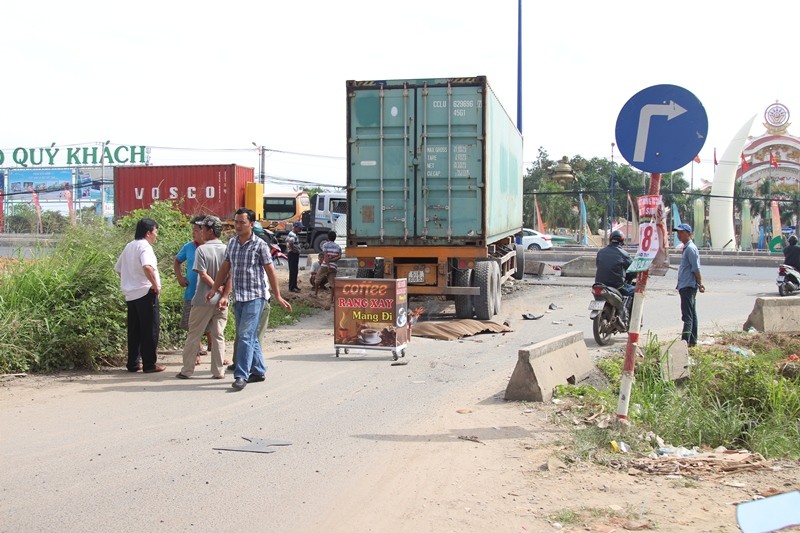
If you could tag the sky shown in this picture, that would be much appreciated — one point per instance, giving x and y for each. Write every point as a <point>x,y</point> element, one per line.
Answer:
<point>199,83</point>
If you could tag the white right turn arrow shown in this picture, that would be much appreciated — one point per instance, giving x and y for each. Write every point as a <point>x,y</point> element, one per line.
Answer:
<point>670,111</point>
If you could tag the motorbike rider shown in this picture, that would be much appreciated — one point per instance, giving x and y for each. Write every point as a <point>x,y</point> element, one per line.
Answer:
<point>791,254</point>
<point>612,262</point>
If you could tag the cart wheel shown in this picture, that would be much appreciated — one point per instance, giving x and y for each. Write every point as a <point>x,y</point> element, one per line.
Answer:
<point>403,352</point>
<point>347,351</point>
<point>337,352</point>
<point>394,356</point>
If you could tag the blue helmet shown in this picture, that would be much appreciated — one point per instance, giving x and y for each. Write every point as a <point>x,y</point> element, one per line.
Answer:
<point>258,229</point>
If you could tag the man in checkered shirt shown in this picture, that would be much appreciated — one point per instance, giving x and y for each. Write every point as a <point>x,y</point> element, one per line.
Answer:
<point>247,257</point>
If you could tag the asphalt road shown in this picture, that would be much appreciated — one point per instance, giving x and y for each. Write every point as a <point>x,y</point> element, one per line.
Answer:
<point>113,451</point>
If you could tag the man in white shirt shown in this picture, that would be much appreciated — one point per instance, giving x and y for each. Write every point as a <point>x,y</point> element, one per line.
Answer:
<point>140,282</point>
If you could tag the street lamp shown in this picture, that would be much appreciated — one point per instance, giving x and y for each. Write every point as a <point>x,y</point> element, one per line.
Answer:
<point>261,177</point>
<point>611,200</point>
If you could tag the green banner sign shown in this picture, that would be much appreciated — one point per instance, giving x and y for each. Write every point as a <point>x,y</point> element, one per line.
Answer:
<point>77,155</point>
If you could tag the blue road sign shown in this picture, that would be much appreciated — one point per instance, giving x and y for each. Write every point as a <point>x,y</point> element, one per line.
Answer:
<point>661,128</point>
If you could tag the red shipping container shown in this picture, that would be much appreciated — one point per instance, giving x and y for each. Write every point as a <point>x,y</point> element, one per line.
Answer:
<point>196,189</point>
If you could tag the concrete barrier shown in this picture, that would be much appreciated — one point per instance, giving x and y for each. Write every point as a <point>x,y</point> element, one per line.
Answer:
<point>675,362</point>
<point>542,366</point>
<point>775,314</point>
<point>535,268</point>
<point>580,267</point>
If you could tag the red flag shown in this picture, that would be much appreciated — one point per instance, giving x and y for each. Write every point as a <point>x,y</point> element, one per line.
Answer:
<point>70,205</point>
<point>539,223</point>
<point>35,196</point>
<point>715,157</point>
<point>772,160</point>
<point>745,164</point>
<point>697,158</point>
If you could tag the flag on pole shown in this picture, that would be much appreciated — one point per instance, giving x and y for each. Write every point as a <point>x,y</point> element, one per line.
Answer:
<point>35,196</point>
<point>715,157</point>
<point>697,158</point>
<point>632,239</point>
<point>745,164</point>
<point>772,160</point>
<point>582,213</point>
<point>539,223</point>
<point>70,205</point>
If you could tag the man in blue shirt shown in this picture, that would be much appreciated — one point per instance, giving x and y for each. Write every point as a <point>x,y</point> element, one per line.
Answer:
<point>189,281</point>
<point>689,282</point>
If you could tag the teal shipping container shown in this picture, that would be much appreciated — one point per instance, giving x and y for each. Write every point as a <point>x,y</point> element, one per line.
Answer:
<point>431,162</point>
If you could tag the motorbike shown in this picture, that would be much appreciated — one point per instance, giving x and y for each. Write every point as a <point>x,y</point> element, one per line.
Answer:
<point>274,248</point>
<point>607,313</point>
<point>788,280</point>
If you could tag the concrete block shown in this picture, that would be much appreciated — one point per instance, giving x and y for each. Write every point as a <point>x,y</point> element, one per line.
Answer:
<point>540,367</point>
<point>675,363</point>
<point>580,267</point>
<point>775,314</point>
<point>535,268</point>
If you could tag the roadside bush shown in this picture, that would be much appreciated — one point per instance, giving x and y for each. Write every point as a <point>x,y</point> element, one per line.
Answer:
<point>729,400</point>
<point>65,310</point>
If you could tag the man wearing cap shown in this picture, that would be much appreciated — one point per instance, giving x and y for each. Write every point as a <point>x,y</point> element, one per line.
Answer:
<point>689,282</point>
<point>189,281</point>
<point>293,252</point>
<point>208,314</point>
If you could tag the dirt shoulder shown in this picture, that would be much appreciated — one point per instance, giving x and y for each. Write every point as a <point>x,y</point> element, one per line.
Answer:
<point>491,465</point>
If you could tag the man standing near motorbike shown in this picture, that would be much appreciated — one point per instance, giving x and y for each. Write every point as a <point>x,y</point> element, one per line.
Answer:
<point>689,282</point>
<point>791,254</point>
<point>293,251</point>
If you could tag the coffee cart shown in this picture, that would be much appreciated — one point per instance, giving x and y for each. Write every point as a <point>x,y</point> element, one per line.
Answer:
<point>371,314</point>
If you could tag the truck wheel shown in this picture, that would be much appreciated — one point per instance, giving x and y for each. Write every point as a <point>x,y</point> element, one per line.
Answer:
<point>463,278</point>
<point>482,279</point>
<point>498,291</point>
<point>520,273</point>
<point>318,240</point>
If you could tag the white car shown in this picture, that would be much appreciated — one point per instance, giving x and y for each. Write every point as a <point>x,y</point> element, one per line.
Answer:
<point>534,241</point>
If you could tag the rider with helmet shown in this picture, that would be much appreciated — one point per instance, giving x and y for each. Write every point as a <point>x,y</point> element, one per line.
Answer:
<point>791,253</point>
<point>612,262</point>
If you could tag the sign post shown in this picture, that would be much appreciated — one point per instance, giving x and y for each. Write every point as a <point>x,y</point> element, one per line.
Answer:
<point>660,129</point>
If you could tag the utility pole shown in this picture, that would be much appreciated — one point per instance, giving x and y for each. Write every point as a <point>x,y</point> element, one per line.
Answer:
<point>103,179</point>
<point>611,200</point>
<point>262,178</point>
<point>519,65</point>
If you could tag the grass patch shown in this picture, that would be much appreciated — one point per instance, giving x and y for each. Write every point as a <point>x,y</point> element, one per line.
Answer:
<point>729,400</point>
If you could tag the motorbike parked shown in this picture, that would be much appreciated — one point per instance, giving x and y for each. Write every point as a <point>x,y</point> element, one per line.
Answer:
<point>274,248</point>
<point>607,313</point>
<point>788,280</point>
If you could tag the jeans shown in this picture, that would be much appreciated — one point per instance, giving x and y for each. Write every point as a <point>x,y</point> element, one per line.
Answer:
<point>627,289</point>
<point>689,314</point>
<point>262,328</point>
<point>248,347</point>
<point>144,322</point>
